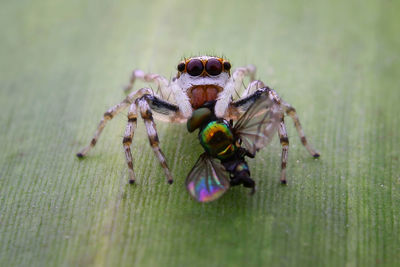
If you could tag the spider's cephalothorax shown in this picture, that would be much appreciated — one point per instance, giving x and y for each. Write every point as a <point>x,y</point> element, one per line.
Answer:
<point>203,78</point>
<point>199,81</point>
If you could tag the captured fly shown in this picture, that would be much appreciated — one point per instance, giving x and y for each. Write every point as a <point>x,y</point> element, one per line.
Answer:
<point>226,145</point>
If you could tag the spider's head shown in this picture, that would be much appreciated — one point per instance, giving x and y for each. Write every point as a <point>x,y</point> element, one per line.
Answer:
<point>202,78</point>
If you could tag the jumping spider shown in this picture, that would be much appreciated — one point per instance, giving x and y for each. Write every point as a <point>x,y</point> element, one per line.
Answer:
<point>199,80</point>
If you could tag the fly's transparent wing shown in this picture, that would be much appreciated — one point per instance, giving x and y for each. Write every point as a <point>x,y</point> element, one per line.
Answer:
<point>257,125</point>
<point>208,180</point>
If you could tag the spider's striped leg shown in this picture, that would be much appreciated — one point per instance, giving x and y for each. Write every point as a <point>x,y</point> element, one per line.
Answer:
<point>160,81</point>
<point>291,111</point>
<point>241,72</point>
<point>283,137</point>
<point>108,115</point>
<point>127,141</point>
<point>147,116</point>
<point>234,84</point>
<point>252,87</point>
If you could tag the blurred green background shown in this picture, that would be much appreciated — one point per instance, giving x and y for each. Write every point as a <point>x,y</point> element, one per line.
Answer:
<point>63,63</point>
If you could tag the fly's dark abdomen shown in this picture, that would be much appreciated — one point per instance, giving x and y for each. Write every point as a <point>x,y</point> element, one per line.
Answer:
<point>239,171</point>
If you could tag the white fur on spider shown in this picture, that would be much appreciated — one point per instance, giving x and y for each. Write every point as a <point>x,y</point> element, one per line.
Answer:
<point>186,81</point>
<point>181,98</point>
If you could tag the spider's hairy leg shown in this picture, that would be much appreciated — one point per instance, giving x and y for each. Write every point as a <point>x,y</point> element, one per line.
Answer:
<point>249,70</point>
<point>147,116</point>
<point>160,81</point>
<point>291,111</point>
<point>234,84</point>
<point>108,115</point>
<point>252,87</point>
<point>127,141</point>
<point>284,139</point>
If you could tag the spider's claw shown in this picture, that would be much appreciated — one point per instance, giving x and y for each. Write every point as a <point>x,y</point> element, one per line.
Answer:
<point>80,155</point>
<point>170,181</point>
<point>316,155</point>
<point>253,190</point>
<point>131,181</point>
<point>127,88</point>
<point>283,182</point>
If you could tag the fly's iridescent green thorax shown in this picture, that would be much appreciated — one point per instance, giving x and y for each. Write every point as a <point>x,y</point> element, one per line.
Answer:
<point>217,139</point>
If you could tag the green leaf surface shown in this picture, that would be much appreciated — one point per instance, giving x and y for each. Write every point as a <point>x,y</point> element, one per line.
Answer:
<point>63,63</point>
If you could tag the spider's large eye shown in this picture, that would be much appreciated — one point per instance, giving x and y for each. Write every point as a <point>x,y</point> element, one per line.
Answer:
<point>195,67</point>
<point>227,65</point>
<point>181,67</point>
<point>213,66</point>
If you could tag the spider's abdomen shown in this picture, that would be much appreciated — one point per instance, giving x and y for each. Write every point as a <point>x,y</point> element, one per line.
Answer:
<point>217,140</point>
<point>200,94</point>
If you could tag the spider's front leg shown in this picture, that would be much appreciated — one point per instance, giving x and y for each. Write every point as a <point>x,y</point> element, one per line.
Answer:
<point>146,105</point>
<point>234,84</point>
<point>147,117</point>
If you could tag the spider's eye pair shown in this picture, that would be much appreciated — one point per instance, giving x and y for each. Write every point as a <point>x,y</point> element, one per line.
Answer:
<point>195,67</point>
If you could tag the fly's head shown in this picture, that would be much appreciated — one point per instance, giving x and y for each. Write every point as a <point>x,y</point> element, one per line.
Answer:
<point>203,78</point>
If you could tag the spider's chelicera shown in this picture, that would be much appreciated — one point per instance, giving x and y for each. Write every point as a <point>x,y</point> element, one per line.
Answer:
<point>202,94</point>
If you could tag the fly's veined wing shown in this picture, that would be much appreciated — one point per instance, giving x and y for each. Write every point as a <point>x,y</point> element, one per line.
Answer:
<point>208,180</point>
<point>257,125</point>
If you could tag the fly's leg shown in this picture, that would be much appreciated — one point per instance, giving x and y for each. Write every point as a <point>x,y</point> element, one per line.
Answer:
<point>147,117</point>
<point>127,141</point>
<point>283,137</point>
